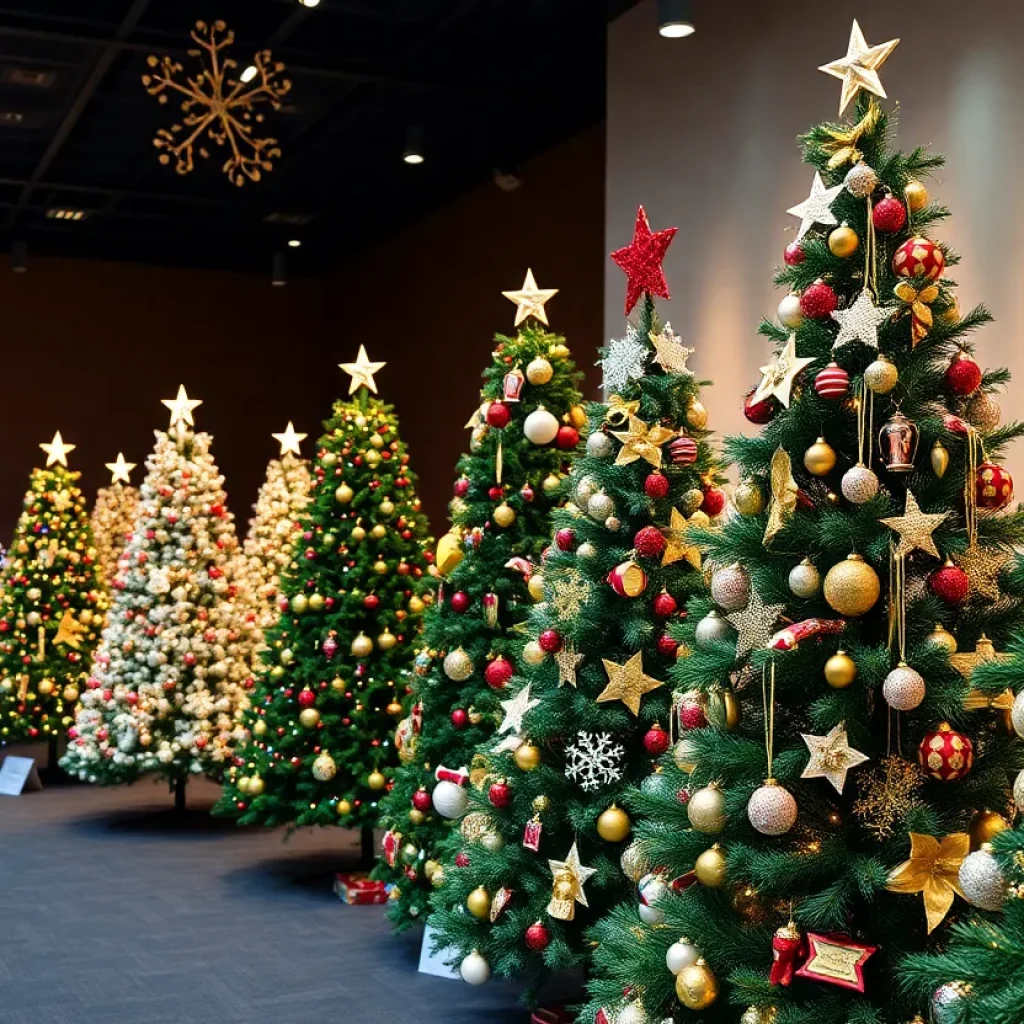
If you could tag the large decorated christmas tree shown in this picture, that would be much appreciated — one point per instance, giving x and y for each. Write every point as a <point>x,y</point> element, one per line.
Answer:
<point>113,517</point>
<point>807,846</point>
<point>489,563</point>
<point>536,859</point>
<point>52,604</point>
<point>171,675</point>
<point>318,747</point>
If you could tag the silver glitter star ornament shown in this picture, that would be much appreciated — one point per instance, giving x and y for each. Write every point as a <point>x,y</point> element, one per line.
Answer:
<point>860,322</point>
<point>816,208</point>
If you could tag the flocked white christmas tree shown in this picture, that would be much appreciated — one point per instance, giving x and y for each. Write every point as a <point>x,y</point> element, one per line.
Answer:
<point>170,677</point>
<point>113,517</point>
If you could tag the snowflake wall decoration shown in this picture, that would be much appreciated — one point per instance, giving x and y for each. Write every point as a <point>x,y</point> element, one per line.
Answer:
<point>219,106</point>
<point>593,760</point>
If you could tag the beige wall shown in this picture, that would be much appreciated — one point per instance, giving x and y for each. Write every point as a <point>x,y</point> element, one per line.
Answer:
<point>703,131</point>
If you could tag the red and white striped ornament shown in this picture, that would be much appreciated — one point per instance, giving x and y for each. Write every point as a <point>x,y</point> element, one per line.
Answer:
<point>832,383</point>
<point>683,451</point>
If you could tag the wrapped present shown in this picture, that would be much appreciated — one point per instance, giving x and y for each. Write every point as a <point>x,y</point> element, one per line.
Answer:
<point>357,888</point>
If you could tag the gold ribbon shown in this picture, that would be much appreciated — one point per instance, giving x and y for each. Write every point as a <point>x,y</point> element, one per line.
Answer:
<point>842,142</point>
<point>919,301</point>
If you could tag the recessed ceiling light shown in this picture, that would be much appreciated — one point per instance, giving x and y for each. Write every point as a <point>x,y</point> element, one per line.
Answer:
<point>294,243</point>
<point>413,153</point>
<point>310,3</point>
<point>674,19</point>
<point>249,73</point>
<point>65,213</point>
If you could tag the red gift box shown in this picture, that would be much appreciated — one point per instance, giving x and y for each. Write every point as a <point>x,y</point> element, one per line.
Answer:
<point>355,889</point>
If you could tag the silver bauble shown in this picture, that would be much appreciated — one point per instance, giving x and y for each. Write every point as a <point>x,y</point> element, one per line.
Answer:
<point>681,954</point>
<point>706,810</point>
<point>772,809</point>
<point>599,445</point>
<point>983,411</point>
<point>790,313</point>
<point>1018,791</point>
<point>730,588</point>
<point>1017,714</point>
<point>948,1002</point>
<point>904,688</point>
<point>600,506</point>
<point>586,550</point>
<point>632,1013</point>
<point>982,881</point>
<point>711,628</point>
<point>585,488</point>
<point>861,180</point>
<point>804,579</point>
<point>859,484</point>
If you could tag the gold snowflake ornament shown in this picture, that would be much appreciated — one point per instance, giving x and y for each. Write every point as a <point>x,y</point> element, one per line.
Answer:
<point>219,106</point>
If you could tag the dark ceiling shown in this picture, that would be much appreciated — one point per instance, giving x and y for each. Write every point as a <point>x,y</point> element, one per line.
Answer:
<point>488,82</point>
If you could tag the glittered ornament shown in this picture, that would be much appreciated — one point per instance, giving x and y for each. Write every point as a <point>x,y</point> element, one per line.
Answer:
<point>919,257</point>
<point>759,411</point>
<point>820,458</point>
<point>730,587</point>
<point>706,810</point>
<point>748,498</point>
<point>504,515</point>
<point>682,953</point>
<point>794,254</point>
<point>881,375</point>
<point>714,501</point>
<point>982,880</point>
<point>458,665</point>
<point>600,506</point>
<point>859,484</point>
<point>540,427</point>
<point>690,710</point>
<point>963,375</point>
<point>649,542</point>
<point>324,768</point>
<point>656,740</point>
<point>711,629</point>
<point>993,486</point>
<point>832,383</point>
<point>904,688</point>
<point>790,313</point>
<point>691,501</point>
<point>497,673</point>
<point>840,671</point>
<point>945,754</point>
<point>664,605</point>
<point>852,586</point>
<point>656,485</point>
<point>537,937</point>
<point>889,215</point>
<point>983,411</point>
<point>696,986</point>
<point>843,241</point>
<point>710,868</point>
<point>861,180</point>
<point>498,415</point>
<point>599,445</point>
<point>948,1002</point>
<point>550,640</point>
<point>950,584</point>
<point>533,653</point>
<point>804,579</point>
<point>818,301</point>
<point>539,371</point>
<point>772,809</point>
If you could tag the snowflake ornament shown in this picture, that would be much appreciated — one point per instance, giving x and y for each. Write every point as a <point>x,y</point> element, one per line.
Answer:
<point>625,360</point>
<point>593,760</point>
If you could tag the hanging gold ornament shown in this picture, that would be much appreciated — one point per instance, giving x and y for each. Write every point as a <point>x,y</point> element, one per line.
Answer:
<point>697,414</point>
<point>985,826</point>
<point>941,638</point>
<point>478,903</point>
<point>376,780</point>
<point>504,515</point>
<point>916,195</point>
<point>784,494</point>
<point>852,586</point>
<point>748,498</point>
<point>844,241</point>
<point>840,670</point>
<point>696,986</point>
<point>527,756</point>
<point>710,868</point>
<point>568,878</point>
<point>309,717</point>
<point>613,825</point>
<point>820,458</point>
<point>881,375</point>
<point>255,786</point>
<point>939,459</point>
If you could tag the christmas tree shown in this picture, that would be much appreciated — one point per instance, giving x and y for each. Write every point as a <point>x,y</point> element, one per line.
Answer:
<point>824,829</point>
<point>113,517</point>
<point>536,859</point>
<point>267,548</point>
<point>170,677</point>
<point>318,748</point>
<point>505,488</point>
<point>52,604</point>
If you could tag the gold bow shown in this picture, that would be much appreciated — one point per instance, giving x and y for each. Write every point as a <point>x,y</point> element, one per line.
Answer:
<point>934,871</point>
<point>919,301</point>
<point>842,142</point>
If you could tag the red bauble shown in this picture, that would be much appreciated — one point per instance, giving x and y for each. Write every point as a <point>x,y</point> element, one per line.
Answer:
<point>889,215</point>
<point>818,301</point>
<point>714,501</point>
<point>993,486</point>
<point>656,485</point>
<point>918,257</point>
<point>460,718</point>
<point>460,601</point>
<point>421,800</point>
<point>667,645</point>
<point>690,711</point>
<point>500,794</point>
<point>649,542</point>
<point>664,605</point>
<point>461,487</point>
<point>550,640</point>
<point>832,383</point>
<point>498,414</point>
<point>683,451</point>
<point>794,254</point>
<point>537,937</point>
<point>759,412</point>
<point>567,437</point>
<point>307,698</point>
<point>950,584</point>
<point>945,755</point>
<point>656,740</point>
<point>963,377</point>
<point>371,602</point>
<point>462,860</point>
<point>498,673</point>
<point>565,539</point>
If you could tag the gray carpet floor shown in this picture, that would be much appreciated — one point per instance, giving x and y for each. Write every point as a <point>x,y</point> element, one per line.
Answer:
<point>114,912</point>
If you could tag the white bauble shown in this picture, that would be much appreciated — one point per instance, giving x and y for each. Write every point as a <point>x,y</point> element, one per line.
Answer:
<point>711,628</point>
<point>804,579</point>
<point>599,445</point>
<point>586,550</point>
<point>682,953</point>
<point>540,427</point>
<point>904,688</point>
<point>1017,714</point>
<point>650,889</point>
<point>790,313</point>
<point>1018,791</point>
<point>772,809</point>
<point>982,879</point>
<point>730,588</point>
<point>584,489</point>
<point>533,653</point>
<point>600,506</point>
<point>632,1013</point>
<point>859,484</point>
<point>475,970</point>
<point>450,800</point>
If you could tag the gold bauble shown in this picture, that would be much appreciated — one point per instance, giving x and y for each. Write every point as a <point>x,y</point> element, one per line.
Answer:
<point>380,567</point>
<point>316,602</point>
<point>706,809</point>
<point>386,640</point>
<point>255,786</point>
<point>344,494</point>
<point>372,458</point>
<point>939,458</point>
<point>881,376</point>
<point>578,417</point>
<point>613,824</point>
<point>259,727</point>
<point>916,195</point>
<point>843,242</point>
<point>438,878</point>
<point>416,605</point>
<point>527,757</point>
<point>46,687</point>
<point>820,458</point>
<point>362,645</point>
<point>338,685</point>
<point>478,903</point>
<point>558,351</point>
<point>733,710</point>
<point>343,808</point>
<point>242,784</point>
<point>429,868</point>
<point>696,986</point>
<point>449,553</point>
<point>941,638</point>
<point>536,587</point>
<point>697,414</point>
<point>358,534</point>
<point>378,532</point>
<point>985,826</point>
<point>70,693</point>
<point>376,780</point>
<point>710,868</point>
<point>394,708</point>
<point>376,441</point>
<point>551,483</point>
<point>308,718</point>
<point>416,816</point>
<point>840,670</point>
<point>504,515</point>
<point>533,653</point>
<point>748,498</point>
<point>684,756</point>
<point>852,587</point>
<point>299,604</point>
<point>539,371</point>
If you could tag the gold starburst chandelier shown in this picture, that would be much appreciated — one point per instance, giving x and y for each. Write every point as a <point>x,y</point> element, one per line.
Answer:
<point>220,105</point>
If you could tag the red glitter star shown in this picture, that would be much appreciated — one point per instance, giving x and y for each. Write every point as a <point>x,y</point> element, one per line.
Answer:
<point>641,260</point>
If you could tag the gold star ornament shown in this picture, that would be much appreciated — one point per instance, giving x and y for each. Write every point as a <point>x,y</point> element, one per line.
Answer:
<point>934,871</point>
<point>289,440</point>
<point>70,630</point>
<point>859,68</point>
<point>670,353</point>
<point>362,371</point>
<point>983,566</point>
<point>181,407</point>
<point>641,442</point>
<point>915,528</point>
<point>754,624</point>
<point>676,546</point>
<point>984,652</point>
<point>778,376</point>
<point>530,300</point>
<point>627,682</point>
<point>57,451</point>
<point>831,757</point>
<point>568,660</point>
<point>120,470</point>
<point>567,880</point>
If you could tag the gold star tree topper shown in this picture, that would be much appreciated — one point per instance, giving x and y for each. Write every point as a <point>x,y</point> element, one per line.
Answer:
<point>181,407</point>
<point>831,756</point>
<point>934,871</point>
<point>641,442</point>
<point>530,300</point>
<point>627,682</point>
<point>915,528</point>
<point>289,440</point>
<point>568,877</point>
<point>859,68</point>
<point>57,451</point>
<point>120,470</point>
<point>778,376</point>
<point>676,545</point>
<point>362,371</point>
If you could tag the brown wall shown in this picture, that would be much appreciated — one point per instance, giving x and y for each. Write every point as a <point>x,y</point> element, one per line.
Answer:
<point>91,348</point>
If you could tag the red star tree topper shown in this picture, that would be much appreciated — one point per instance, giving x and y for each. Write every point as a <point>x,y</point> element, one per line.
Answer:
<point>641,260</point>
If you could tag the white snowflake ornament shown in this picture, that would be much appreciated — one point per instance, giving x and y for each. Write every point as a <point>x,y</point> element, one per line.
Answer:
<point>593,760</point>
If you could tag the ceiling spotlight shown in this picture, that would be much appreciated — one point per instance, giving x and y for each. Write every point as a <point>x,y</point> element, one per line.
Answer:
<point>249,73</point>
<point>310,3</point>
<point>674,19</point>
<point>279,270</point>
<point>294,243</point>
<point>413,146</point>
